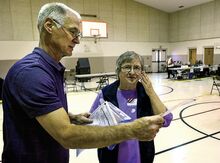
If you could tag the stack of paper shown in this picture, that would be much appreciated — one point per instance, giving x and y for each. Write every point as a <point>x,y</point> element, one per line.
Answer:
<point>107,115</point>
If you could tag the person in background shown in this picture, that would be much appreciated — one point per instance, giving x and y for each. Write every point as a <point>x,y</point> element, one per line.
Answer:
<point>170,64</point>
<point>37,127</point>
<point>134,95</point>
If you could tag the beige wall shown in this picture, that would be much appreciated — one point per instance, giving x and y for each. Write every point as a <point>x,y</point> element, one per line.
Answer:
<point>127,20</point>
<point>97,64</point>
<point>100,64</point>
<point>131,26</point>
<point>195,23</point>
<point>196,27</point>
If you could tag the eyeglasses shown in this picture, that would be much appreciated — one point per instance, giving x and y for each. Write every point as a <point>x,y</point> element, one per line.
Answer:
<point>73,32</point>
<point>128,68</point>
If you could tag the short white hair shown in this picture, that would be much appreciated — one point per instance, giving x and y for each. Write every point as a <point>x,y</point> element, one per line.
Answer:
<point>57,11</point>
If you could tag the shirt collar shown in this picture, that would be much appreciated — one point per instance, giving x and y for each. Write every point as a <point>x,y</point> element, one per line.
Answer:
<point>49,59</point>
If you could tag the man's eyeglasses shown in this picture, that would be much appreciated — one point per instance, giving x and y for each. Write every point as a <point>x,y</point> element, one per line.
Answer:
<point>128,68</point>
<point>73,32</point>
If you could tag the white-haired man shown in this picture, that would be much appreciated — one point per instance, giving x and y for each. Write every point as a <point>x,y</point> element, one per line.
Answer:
<point>37,127</point>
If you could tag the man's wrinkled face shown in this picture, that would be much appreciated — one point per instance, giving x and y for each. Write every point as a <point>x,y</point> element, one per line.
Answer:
<point>66,36</point>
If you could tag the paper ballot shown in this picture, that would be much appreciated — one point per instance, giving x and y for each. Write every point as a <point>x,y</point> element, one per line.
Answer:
<point>107,115</point>
<point>177,106</point>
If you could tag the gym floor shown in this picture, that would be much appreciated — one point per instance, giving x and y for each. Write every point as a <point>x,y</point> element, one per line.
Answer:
<point>194,134</point>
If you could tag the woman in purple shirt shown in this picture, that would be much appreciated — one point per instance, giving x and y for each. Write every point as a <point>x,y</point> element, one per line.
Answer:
<point>134,95</point>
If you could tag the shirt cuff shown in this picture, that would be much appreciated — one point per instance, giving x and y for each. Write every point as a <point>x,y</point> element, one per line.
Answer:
<point>167,119</point>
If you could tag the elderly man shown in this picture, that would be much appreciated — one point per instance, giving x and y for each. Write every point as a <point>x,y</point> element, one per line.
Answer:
<point>36,125</point>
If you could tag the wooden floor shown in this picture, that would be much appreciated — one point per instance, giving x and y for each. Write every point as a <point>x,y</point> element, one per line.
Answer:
<point>194,134</point>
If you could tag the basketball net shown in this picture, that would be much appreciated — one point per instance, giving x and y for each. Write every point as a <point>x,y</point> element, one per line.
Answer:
<point>96,37</point>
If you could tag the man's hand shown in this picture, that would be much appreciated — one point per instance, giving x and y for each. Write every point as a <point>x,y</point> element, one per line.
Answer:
<point>80,119</point>
<point>146,128</point>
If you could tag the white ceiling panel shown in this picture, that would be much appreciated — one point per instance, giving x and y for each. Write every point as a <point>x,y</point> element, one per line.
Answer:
<point>172,5</point>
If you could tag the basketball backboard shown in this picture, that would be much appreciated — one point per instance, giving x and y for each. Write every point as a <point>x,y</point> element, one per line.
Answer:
<point>95,29</point>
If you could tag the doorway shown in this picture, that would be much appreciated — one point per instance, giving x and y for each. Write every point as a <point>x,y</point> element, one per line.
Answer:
<point>159,60</point>
<point>192,56</point>
<point>208,56</point>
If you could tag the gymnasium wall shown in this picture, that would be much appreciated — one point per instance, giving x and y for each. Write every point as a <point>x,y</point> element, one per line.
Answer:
<point>131,26</point>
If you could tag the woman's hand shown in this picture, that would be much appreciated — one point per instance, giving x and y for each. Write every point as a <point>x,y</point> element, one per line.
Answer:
<point>80,119</point>
<point>144,79</point>
<point>157,105</point>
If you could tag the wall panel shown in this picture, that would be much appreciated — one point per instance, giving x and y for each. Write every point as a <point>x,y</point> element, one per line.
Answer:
<point>173,27</point>
<point>194,23</point>
<point>132,21</point>
<point>143,23</point>
<point>77,5</point>
<point>217,18</point>
<point>35,7</point>
<point>91,7</point>
<point>207,20</point>
<point>163,27</point>
<point>154,25</point>
<point>183,25</point>
<point>119,20</point>
<point>22,22</point>
<point>6,21</point>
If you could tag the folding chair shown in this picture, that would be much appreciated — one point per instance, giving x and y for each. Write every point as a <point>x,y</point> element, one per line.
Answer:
<point>182,74</point>
<point>103,81</point>
<point>216,84</point>
<point>70,80</point>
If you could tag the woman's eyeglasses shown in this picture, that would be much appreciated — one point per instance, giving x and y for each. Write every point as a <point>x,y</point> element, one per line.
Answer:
<point>129,68</point>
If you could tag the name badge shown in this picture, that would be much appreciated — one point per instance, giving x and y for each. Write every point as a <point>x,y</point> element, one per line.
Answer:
<point>132,103</point>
